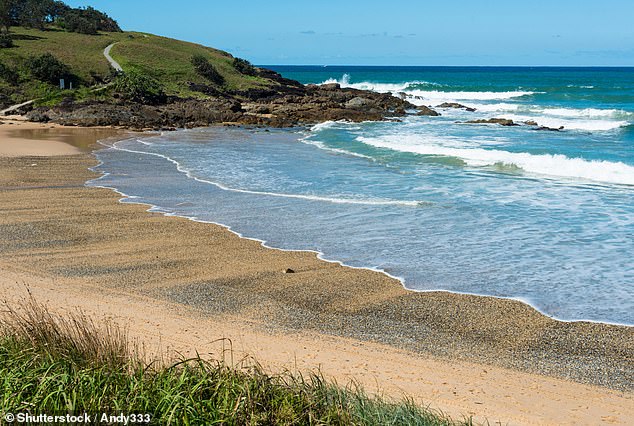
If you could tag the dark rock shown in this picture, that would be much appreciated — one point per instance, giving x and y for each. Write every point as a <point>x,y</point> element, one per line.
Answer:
<point>285,105</point>
<point>24,109</point>
<point>455,105</point>
<point>424,110</point>
<point>358,102</point>
<point>550,129</point>
<point>500,121</point>
<point>288,271</point>
<point>531,123</point>
<point>330,86</point>
<point>38,115</point>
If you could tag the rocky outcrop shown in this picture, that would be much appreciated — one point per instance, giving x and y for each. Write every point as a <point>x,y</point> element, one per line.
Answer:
<point>550,129</point>
<point>286,107</point>
<point>455,105</point>
<point>424,110</point>
<point>500,121</point>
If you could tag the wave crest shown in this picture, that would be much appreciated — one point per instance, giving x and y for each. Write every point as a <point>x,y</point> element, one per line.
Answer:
<point>555,165</point>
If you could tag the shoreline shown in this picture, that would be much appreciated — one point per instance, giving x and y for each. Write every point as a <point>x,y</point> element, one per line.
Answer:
<point>60,246</point>
<point>152,208</point>
<point>320,255</point>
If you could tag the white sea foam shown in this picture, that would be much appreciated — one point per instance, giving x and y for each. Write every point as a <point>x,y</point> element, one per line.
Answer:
<point>323,126</point>
<point>569,124</point>
<point>617,114</point>
<point>588,119</point>
<point>189,174</point>
<point>587,113</point>
<point>413,92</point>
<point>546,164</point>
<point>440,96</point>
<point>321,145</point>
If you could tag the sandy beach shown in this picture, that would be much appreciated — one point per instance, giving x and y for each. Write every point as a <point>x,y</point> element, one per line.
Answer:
<point>180,285</point>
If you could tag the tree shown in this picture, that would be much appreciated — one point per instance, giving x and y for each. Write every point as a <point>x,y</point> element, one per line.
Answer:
<point>87,21</point>
<point>48,68</point>
<point>74,21</point>
<point>5,15</point>
<point>204,68</point>
<point>39,13</point>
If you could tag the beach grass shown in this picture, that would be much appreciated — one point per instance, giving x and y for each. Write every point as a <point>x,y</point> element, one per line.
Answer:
<point>58,365</point>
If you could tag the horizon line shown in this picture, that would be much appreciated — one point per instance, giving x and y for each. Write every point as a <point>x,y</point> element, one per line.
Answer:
<point>446,66</point>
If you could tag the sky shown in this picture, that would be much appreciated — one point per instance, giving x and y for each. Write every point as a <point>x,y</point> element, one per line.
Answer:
<point>398,32</point>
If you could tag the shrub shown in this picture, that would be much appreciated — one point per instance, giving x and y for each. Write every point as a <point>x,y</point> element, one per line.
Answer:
<point>140,88</point>
<point>243,66</point>
<point>9,74</point>
<point>5,41</point>
<point>206,69</point>
<point>48,68</point>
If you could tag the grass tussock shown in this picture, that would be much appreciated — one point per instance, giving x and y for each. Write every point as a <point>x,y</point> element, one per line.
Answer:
<point>70,365</point>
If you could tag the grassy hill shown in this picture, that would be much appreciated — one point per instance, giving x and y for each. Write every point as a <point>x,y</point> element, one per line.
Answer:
<point>164,59</point>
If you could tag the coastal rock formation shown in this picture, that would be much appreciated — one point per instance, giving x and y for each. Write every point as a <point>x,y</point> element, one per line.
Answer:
<point>538,127</point>
<point>500,121</point>
<point>550,129</point>
<point>358,102</point>
<point>287,104</point>
<point>455,105</point>
<point>424,110</point>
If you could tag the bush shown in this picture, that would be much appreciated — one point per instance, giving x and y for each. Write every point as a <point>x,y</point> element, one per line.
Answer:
<point>9,74</point>
<point>207,70</point>
<point>48,68</point>
<point>244,67</point>
<point>5,41</point>
<point>140,88</point>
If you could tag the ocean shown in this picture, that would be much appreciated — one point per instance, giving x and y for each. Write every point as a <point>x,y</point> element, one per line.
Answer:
<point>545,217</point>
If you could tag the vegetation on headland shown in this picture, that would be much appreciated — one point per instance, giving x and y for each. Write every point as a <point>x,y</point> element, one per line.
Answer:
<point>76,38</point>
<point>165,83</point>
<point>70,365</point>
<point>42,14</point>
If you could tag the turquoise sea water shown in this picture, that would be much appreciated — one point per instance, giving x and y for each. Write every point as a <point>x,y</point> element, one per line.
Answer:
<point>544,217</point>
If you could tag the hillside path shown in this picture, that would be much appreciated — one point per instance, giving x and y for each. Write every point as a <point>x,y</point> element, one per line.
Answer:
<point>114,64</point>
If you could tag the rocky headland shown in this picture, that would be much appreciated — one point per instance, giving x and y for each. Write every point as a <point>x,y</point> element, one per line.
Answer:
<point>287,104</point>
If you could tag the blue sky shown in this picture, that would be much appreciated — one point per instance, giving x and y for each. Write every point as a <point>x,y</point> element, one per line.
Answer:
<point>450,32</point>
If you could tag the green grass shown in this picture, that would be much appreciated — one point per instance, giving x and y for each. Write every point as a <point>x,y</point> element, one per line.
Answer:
<point>83,53</point>
<point>59,365</point>
<point>167,60</point>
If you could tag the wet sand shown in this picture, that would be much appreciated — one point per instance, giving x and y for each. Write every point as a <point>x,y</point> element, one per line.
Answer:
<point>184,284</point>
<point>19,138</point>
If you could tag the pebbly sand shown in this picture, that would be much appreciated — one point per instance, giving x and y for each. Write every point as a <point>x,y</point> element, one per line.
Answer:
<point>181,285</point>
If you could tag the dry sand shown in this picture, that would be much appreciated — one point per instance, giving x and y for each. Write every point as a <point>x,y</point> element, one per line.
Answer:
<point>182,285</point>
